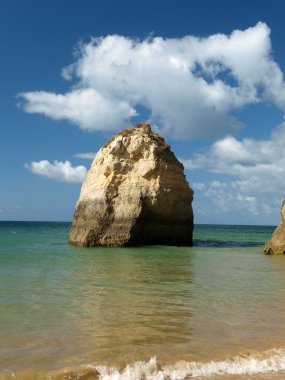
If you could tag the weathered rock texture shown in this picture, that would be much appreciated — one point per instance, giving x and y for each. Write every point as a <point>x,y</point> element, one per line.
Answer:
<point>276,246</point>
<point>135,193</point>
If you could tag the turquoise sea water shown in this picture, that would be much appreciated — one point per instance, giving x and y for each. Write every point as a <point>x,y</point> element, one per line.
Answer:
<point>215,309</point>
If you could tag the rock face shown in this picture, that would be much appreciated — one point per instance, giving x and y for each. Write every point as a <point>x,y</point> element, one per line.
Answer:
<point>276,246</point>
<point>135,193</point>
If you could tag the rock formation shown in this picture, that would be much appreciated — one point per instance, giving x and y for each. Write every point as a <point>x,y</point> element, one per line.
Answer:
<point>135,193</point>
<point>276,245</point>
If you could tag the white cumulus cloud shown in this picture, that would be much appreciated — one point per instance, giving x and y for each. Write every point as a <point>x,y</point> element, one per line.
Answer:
<point>85,156</point>
<point>58,171</point>
<point>85,107</point>
<point>248,158</point>
<point>256,169</point>
<point>188,86</point>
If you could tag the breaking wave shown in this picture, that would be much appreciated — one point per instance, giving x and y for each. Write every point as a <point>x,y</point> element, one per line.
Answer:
<point>268,361</point>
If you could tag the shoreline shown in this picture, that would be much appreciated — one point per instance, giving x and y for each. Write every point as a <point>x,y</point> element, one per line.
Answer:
<point>254,365</point>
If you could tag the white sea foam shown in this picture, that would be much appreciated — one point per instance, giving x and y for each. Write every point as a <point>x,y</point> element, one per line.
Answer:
<point>268,361</point>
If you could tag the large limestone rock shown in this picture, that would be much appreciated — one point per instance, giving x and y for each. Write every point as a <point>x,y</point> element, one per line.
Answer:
<point>135,193</point>
<point>276,246</point>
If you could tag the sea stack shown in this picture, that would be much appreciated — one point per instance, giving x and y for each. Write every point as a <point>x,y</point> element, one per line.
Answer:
<point>135,193</point>
<point>276,245</point>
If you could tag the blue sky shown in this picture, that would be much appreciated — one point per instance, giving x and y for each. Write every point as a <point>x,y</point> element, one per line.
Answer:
<point>207,75</point>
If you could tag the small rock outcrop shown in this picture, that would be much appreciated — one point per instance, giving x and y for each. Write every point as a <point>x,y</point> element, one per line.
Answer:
<point>276,245</point>
<point>135,193</point>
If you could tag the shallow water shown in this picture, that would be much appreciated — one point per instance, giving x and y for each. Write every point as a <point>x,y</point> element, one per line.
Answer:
<point>215,309</point>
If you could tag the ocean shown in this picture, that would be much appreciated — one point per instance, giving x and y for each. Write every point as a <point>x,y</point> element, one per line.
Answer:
<point>215,310</point>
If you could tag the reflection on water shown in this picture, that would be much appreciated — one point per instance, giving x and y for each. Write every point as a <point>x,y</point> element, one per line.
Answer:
<point>103,305</point>
<point>135,302</point>
<point>63,306</point>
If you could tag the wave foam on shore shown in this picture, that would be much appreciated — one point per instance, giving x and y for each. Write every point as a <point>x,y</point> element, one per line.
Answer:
<point>268,361</point>
<point>256,365</point>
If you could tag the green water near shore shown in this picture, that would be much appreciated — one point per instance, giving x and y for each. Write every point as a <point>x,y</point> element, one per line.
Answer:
<point>64,306</point>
